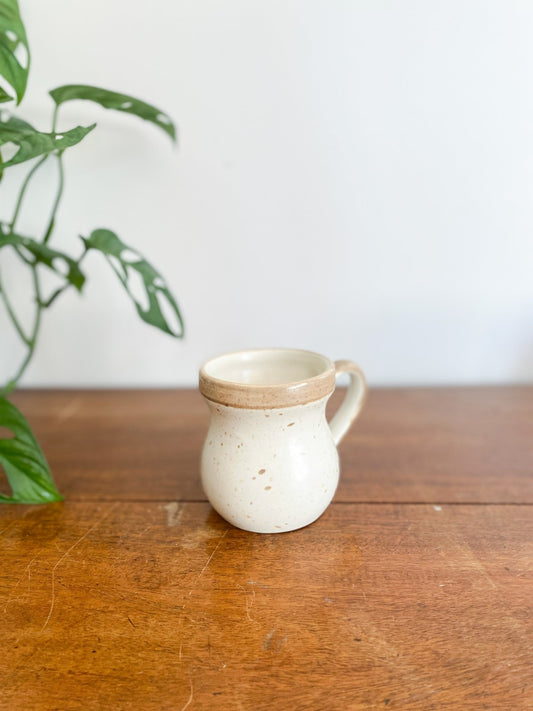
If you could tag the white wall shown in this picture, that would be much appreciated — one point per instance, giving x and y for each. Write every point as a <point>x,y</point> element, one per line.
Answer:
<point>353,177</point>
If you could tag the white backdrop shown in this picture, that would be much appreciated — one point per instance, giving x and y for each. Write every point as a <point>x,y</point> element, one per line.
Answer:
<point>354,177</point>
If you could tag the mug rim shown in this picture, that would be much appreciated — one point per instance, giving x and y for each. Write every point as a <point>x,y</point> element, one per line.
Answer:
<point>267,396</point>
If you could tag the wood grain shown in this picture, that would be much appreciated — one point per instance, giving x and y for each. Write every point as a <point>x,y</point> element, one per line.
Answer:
<point>156,606</point>
<point>462,445</point>
<point>135,594</point>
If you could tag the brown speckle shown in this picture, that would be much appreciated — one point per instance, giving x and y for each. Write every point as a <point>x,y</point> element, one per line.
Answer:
<point>261,471</point>
<point>254,477</point>
<point>290,424</point>
<point>267,488</point>
<point>266,415</point>
<point>277,526</point>
<point>251,503</point>
<point>222,444</point>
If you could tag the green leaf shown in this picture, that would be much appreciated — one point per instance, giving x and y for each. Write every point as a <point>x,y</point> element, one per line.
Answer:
<point>112,247</point>
<point>23,461</point>
<point>59,262</point>
<point>14,49</point>
<point>113,100</point>
<point>4,96</point>
<point>33,143</point>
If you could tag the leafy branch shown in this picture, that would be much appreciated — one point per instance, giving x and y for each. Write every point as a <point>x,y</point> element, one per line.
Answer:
<point>20,456</point>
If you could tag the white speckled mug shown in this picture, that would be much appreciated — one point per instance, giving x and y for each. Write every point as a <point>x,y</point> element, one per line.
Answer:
<point>270,462</point>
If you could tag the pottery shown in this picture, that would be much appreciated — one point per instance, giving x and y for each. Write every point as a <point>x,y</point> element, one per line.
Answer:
<point>270,461</point>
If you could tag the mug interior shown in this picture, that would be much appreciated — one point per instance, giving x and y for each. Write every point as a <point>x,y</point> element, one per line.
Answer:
<point>267,367</point>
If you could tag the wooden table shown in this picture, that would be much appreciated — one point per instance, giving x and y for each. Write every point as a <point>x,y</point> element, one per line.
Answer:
<point>413,591</point>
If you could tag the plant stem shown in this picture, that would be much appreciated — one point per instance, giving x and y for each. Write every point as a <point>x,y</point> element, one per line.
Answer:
<point>23,189</point>
<point>61,185</point>
<point>31,341</point>
<point>54,118</point>
<point>33,338</point>
<point>13,316</point>
<point>57,200</point>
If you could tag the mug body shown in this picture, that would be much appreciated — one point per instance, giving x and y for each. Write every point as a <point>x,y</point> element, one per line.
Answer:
<point>270,470</point>
<point>269,462</point>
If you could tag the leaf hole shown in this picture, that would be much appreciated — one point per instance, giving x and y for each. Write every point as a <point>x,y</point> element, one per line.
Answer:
<point>21,55</point>
<point>126,105</point>
<point>9,150</point>
<point>11,36</point>
<point>58,136</point>
<point>128,255</point>
<point>159,283</point>
<point>5,116</point>
<point>116,263</point>
<point>163,118</point>
<point>137,289</point>
<point>169,314</point>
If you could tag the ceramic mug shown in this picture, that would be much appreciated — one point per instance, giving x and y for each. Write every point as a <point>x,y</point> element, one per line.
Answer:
<point>270,462</point>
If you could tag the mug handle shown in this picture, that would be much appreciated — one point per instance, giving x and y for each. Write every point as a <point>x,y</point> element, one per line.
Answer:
<point>353,401</point>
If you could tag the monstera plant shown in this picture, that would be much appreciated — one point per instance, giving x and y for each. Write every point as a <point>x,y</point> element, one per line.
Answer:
<point>21,458</point>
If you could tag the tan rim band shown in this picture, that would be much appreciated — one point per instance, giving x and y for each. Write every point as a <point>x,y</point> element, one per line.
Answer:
<point>267,397</point>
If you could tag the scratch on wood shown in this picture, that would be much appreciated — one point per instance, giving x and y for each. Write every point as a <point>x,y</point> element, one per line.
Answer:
<point>212,555</point>
<point>189,701</point>
<point>131,623</point>
<point>472,559</point>
<point>10,525</point>
<point>249,600</point>
<point>26,570</point>
<point>251,604</point>
<point>89,530</point>
<point>145,530</point>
